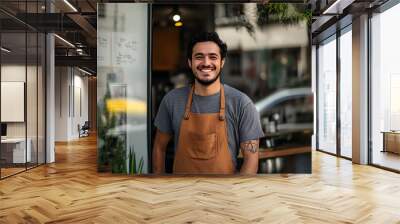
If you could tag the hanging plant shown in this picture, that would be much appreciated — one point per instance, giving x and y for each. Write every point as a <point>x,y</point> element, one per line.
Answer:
<point>243,21</point>
<point>273,13</point>
<point>283,13</point>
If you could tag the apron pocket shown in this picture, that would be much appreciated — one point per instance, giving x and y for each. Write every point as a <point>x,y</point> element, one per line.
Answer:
<point>203,146</point>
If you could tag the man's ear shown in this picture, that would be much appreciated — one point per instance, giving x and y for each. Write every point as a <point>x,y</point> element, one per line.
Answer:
<point>190,63</point>
<point>222,63</point>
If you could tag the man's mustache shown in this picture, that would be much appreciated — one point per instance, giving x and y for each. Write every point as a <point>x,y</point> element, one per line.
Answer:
<point>205,67</point>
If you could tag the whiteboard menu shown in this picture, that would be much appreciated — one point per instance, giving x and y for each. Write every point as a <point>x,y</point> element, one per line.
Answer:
<point>12,101</point>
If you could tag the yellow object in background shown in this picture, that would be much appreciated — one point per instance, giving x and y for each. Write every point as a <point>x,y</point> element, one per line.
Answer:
<point>129,106</point>
<point>178,24</point>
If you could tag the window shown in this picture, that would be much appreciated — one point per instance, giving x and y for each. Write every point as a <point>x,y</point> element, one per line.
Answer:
<point>346,93</point>
<point>327,95</point>
<point>385,87</point>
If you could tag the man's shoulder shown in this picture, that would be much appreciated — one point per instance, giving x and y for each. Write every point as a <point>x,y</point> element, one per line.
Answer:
<point>236,95</point>
<point>177,94</point>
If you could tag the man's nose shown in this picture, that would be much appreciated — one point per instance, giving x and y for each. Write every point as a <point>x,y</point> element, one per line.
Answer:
<point>207,61</point>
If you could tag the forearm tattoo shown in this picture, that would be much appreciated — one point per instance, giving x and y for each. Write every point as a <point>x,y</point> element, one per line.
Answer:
<point>250,146</point>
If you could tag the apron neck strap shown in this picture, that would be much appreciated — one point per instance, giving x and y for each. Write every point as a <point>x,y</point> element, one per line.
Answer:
<point>189,103</point>
<point>222,103</point>
<point>190,100</point>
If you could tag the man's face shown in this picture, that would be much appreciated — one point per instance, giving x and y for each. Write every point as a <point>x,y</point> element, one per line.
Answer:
<point>206,62</point>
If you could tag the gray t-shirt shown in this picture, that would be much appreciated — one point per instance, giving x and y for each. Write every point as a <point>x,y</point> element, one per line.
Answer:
<point>242,118</point>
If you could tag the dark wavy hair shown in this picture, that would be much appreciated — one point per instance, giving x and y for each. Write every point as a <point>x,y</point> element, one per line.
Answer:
<point>204,37</point>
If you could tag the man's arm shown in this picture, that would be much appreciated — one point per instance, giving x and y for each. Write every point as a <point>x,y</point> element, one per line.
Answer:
<point>250,156</point>
<point>159,149</point>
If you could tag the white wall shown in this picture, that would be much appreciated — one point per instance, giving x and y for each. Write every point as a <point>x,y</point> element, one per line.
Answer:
<point>80,94</point>
<point>61,103</point>
<point>33,125</point>
<point>71,87</point>
<point>16,73</point>
<point>12,73</point>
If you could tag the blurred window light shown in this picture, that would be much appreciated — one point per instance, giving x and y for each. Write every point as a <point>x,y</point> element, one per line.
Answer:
<point>337,7</point>
<point>5,50</point>
<point>70,5</point>
<point>64,40</point>
<point>176,18</point>
<point>84,71</point>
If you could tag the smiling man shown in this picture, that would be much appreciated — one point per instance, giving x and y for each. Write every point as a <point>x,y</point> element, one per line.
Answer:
<point>209,121</point>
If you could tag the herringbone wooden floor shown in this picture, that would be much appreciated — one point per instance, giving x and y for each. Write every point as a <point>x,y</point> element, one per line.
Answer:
<point>71,191</point>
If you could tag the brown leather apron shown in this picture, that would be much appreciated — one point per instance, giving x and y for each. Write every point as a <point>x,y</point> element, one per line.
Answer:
<point>203,142</point>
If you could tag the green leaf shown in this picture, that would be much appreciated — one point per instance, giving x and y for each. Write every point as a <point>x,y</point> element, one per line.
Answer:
<point>140,170</point>
<point>130,161</point>
<point>134,163</point>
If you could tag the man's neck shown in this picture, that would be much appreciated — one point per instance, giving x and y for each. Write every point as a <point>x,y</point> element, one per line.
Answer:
<point>203,90</point>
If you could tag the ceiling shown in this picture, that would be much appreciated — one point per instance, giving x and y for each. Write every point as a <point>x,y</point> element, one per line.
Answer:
<point>76,25</point>
<point>76,21</point>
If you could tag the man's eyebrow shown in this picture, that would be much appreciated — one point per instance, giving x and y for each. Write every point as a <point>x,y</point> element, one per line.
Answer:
<point>202,54</point>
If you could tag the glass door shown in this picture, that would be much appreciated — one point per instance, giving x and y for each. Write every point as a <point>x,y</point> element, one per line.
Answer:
<point>14,154</point>
<point>22,88</point>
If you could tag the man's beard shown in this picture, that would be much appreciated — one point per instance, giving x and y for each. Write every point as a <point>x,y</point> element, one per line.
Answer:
<point>207,82</point>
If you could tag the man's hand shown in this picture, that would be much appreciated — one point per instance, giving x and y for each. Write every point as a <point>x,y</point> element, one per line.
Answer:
<point>159,149</point>
<point>250,156</point>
